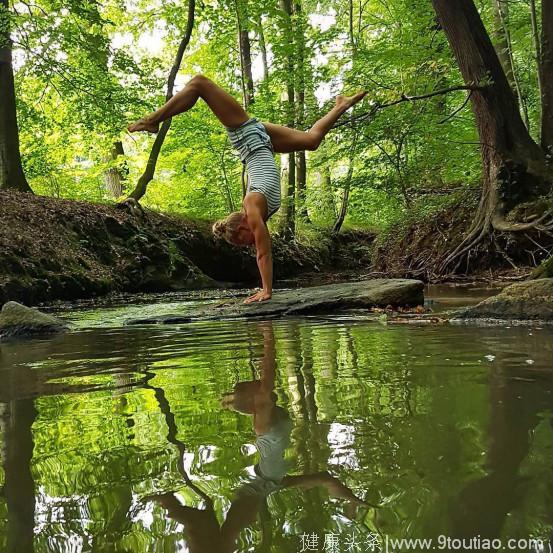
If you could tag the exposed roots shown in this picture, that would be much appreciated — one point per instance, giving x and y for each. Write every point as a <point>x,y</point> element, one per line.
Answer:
<point>500,224</point>
<point>473,239</point>
<point>133,207</point>
<point>493,228</point>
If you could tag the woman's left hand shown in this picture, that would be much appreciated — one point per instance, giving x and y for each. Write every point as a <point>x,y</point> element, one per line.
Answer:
<point>260,296</point>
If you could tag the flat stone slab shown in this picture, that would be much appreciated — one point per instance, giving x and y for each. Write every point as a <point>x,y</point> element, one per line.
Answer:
<point>19,321</point>
<point>328,299</point>
<point>523,301</point>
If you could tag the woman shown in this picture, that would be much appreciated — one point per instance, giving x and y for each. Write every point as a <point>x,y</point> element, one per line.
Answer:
<point>255,142</point>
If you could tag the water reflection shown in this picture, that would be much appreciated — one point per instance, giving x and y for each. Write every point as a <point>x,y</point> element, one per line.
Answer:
<point>246,435</point>
<point>517,410</point>
<point>272,426</point>
<point>19,487</point>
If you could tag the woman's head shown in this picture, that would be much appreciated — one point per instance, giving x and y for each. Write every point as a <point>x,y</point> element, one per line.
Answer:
<point>234,229</point>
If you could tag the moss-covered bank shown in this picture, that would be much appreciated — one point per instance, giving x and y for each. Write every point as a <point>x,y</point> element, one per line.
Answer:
<point>61,249</point>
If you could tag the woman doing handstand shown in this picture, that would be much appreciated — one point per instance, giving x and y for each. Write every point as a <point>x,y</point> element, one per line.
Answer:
<point>256,144</point>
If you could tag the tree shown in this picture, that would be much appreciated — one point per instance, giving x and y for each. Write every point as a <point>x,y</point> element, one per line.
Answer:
<point>514,166</point>
<point>244,46</point>
<point>546,76</point>
<point>150,169</point>
<point>117,172</point>
<point>12,175</point>
<point>301,161</point>
<point>289,223</point>
<point>505,52</point>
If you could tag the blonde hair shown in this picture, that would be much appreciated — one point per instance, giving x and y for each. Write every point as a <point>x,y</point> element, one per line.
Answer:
<point>227,228</point>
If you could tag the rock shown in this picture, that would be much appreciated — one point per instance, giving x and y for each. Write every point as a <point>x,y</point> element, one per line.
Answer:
<point>327,299</point>
<point>18,321</point>
<point>524,301</point>
<point>545,270</point>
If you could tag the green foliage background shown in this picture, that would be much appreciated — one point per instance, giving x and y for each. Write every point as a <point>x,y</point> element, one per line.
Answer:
<point>85,69</point>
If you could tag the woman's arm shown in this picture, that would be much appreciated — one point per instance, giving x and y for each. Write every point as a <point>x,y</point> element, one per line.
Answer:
<point>264,255</point>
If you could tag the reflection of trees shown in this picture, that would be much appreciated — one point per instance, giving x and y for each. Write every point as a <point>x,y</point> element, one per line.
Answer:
<point>482,506</point>
<point>402,433</point>
<point>19,486</point>
<point>257,398</point>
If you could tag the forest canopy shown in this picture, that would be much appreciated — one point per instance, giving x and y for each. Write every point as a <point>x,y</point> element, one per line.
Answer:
<point>85,69</point>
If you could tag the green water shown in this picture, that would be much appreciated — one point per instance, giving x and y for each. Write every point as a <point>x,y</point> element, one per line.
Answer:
<point>250,436</point>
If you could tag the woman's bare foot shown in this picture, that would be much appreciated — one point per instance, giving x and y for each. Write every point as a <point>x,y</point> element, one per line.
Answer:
<point>345,102</point>
<point>144,125</point>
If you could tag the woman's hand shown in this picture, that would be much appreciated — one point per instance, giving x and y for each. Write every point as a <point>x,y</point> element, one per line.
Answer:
<point>260,296</point>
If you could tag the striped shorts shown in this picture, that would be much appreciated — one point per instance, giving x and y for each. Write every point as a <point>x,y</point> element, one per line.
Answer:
<point>256,151</point>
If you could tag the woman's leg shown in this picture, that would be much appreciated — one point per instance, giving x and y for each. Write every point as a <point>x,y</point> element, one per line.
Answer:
<point>222,104</point>
<point>286,140</point>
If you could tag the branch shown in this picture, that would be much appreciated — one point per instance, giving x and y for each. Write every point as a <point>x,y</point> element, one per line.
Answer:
<point>459,109</point>
<point>404,98</point>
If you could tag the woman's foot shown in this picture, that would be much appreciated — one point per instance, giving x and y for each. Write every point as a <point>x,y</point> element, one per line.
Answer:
<point>345,102</point>
<point>144,125</point>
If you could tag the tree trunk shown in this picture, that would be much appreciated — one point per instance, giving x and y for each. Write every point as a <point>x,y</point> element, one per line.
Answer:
<point>500,41</point>
<point>537,45</point>
<point>546,76</point>
<point>301,165</point>
<point>12,175</point>
<point>301,184</point>
<point>289,223</point>
<point>245,54</point>
<point>504,50</point>
<point>150,170</point>
<point>263,48</point>
<point>115,176</point>
<point>514,166</point>
<point>347,187</point>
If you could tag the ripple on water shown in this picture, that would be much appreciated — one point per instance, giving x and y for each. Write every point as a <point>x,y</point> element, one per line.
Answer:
<point>404,431</point>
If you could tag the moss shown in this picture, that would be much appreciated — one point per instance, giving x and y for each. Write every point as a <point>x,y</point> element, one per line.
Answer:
<point>545,270</point>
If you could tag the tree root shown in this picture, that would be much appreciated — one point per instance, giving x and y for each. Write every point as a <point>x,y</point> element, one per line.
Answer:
<point>500,224</point>
<point>475,236</point>
<point>133,207</point>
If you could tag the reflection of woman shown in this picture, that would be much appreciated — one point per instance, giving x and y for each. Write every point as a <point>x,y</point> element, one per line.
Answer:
<point>273,426</point>
<point>271,423</point>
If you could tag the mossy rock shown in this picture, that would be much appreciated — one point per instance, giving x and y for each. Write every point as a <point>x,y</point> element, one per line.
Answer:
<point>525,301</point>
<point>19,321</point>
<point>545,270</point>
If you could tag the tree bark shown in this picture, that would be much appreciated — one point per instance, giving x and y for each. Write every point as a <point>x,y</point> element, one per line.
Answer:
<point>244,47</point>
<point>514,166</point>
<point>546,76</point>
<point>263,48</point>
<point>504,50</point>
<point>151,164</point>
<point>289,222</point>
<point>12,175</point>
<point>115,176</point>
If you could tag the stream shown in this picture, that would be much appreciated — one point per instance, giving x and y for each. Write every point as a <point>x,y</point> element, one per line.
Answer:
<point>301,434</point>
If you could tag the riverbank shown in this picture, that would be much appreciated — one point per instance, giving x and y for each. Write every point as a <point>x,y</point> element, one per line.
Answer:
<point>54,249</point>
<point>66,250</point>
